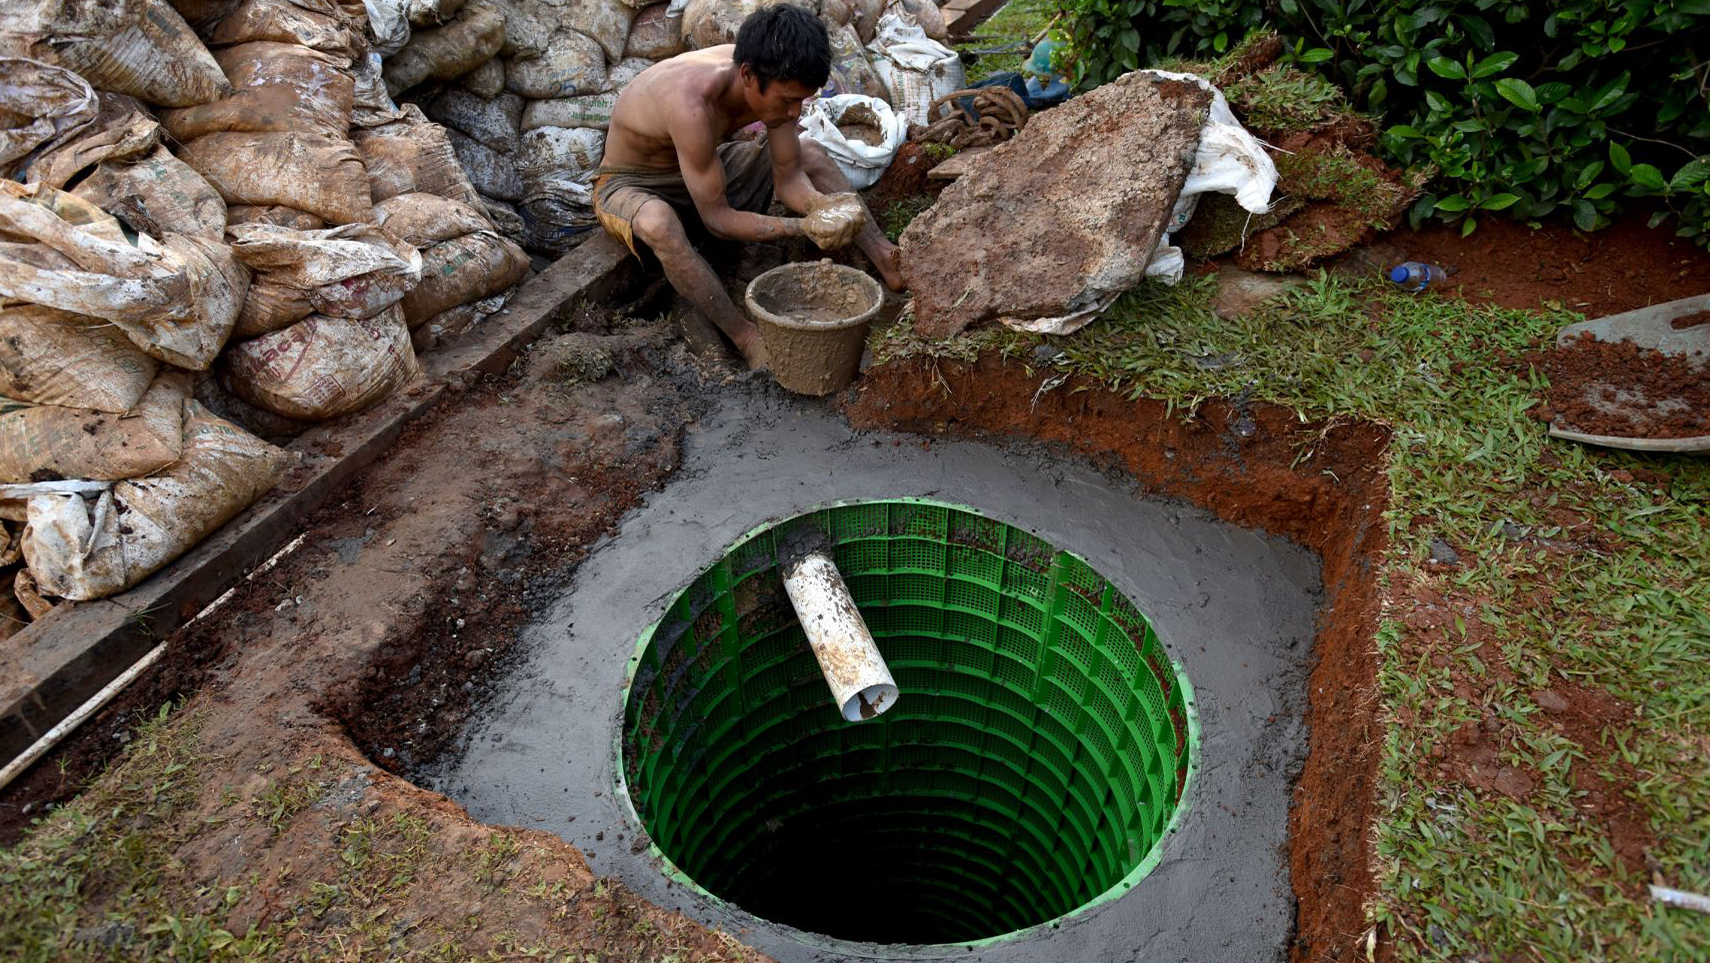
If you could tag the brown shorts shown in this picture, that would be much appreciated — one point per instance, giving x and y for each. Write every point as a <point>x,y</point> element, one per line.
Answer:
<point>619,192</point>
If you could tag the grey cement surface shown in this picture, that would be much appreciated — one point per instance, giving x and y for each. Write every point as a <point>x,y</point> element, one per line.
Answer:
<point>1235,608</point>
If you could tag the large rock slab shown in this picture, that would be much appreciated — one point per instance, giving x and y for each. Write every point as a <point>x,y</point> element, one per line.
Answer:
<point>1059,220</point>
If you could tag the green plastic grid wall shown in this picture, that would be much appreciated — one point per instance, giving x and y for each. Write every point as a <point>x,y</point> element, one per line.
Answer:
<point>1034,758</point>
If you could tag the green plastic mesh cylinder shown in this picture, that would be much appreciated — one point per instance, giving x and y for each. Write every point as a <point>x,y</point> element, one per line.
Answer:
<point>1034,759</point>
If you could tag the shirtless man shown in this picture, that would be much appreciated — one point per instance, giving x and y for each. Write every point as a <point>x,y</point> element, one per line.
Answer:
<point>669,157</point>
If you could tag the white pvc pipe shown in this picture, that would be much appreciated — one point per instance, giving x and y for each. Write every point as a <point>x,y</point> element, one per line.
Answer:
<point>861,683</point>
<point>1681,898</point>
<point>67,725</point>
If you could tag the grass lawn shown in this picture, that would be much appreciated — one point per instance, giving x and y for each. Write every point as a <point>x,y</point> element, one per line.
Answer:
<point>1567,652</point>
<point>1016,24</point>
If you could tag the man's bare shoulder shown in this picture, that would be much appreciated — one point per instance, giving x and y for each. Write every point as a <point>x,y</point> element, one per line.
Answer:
<point>669,105</point>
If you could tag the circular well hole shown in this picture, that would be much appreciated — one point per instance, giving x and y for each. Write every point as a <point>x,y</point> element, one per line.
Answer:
<point>1033,761</point>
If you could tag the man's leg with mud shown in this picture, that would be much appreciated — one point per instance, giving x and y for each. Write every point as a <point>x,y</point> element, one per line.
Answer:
<point>658,226</point>
<point>827,178</point>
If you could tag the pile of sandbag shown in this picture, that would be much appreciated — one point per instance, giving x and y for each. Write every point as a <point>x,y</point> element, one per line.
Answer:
<point>524,89</point>
<point>527,102</point>
<point>215,225</point>
<point>108,468</point>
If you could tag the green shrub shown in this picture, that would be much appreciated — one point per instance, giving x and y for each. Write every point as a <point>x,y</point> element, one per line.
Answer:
<point>1530,109</point>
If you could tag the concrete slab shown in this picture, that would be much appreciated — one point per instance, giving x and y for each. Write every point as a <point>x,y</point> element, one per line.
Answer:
<point>1235,608</point>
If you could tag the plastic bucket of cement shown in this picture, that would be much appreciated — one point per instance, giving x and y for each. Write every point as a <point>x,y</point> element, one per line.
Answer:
<point>813,322</point>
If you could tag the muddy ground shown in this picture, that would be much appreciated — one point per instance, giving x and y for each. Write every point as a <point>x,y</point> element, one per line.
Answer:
<point>353,660</point>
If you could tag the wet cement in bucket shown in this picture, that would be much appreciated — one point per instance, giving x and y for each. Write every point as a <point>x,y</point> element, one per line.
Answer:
<point>813,321</point>
<point>1234,609</point>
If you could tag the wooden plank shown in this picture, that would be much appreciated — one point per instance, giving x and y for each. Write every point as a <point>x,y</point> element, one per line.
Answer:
<point>970,14</point>
<point>957,165</point>
<point>60,660</point>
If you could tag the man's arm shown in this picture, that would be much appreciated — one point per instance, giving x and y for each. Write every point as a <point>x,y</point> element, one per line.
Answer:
<point>697,156</point>
<point>789,181</point>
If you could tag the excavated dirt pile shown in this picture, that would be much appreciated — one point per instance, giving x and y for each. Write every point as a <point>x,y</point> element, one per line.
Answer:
<point>1620,389</point>
<point>1062,216</point>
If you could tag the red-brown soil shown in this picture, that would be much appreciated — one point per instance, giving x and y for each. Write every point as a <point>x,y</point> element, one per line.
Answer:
<point>1331,500</point>
<point>905,179</point>
<point>1618,388</point>
<point>1504,262</point>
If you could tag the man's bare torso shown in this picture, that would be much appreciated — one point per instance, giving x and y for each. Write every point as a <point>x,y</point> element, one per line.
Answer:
<point>684,89</point>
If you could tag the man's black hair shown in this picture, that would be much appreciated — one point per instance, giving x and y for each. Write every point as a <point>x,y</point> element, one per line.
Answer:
<point>784,42</point>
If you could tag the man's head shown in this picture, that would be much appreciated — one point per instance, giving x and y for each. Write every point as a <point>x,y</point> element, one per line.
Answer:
<point>785,57</point>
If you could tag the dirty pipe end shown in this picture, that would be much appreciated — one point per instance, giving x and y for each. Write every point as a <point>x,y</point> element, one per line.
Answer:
<point>869,702</point>
<point>861,683</point>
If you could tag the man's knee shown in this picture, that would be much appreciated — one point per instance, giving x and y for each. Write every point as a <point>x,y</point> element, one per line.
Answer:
<point>658,227</point>
<point>816,162</point>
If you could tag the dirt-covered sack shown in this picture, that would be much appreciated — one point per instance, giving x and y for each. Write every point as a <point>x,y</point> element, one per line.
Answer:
<point>318,173</point>
<point>587,110</point>
<point>176,299</point>
<point>571,65</point>
<point>915,68</point>
<point>557,166</point>
<point>490,172</point>
<point>88,548</point>
<point>26,595</point>
<point>486,81</point>
<point>864,17</point>
<point>655,34</point>
<point>496,122</point>
<point>157,194</point>
<point>280,87</point>
<point>40,106</point>
<point>273,214</point>
<point>924,13</point>
<point>137,47</point>
<point>319,24</point>
<point>549,152</point>
<point>389,24</point>
<point>504,216</point>
<point>461,271</point>
<point>413,154</point>
<point>202,14</point>
<point>851,71</point>
<point>558,213</point>
<point>257,421</point>
<point>590,110</point>
<point>708,23</point>
<point>431,13</point>
<point>50,357</point>
<point>423,220</point>
<point>354,271</point>
<point>442,327</point>
<point>625,71</point>
<point>606,22</point>
<point>323,367</point>
<point>528,28</point>
<point>371,105</point>
<point>861,162</point>
<point>43,442</point>
<point>449,52</point>
<point>123,128</point>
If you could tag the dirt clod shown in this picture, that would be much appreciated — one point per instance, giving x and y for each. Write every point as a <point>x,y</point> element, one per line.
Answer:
<point>1016,238</point>
<point>1618,388</point>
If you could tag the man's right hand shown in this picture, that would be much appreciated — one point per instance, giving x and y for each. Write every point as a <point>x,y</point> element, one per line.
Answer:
<point>833,220</point>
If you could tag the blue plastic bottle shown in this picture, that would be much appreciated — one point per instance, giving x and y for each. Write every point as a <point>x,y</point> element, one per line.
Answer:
<point>1415,275</point>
